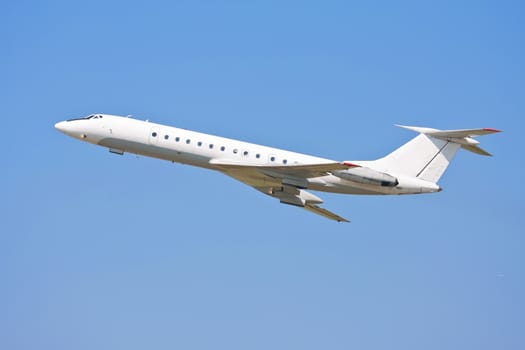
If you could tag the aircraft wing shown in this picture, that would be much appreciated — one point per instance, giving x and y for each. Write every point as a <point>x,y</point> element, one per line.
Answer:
<point>285,183</point>
<point>296,170</point>
<point>326,213</point>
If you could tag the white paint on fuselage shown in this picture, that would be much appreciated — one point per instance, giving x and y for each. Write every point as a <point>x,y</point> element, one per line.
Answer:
<point>194,148</point>
<point>179,141</point>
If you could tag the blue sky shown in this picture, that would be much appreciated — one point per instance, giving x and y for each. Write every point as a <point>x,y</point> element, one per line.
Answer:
<point>101,251</point>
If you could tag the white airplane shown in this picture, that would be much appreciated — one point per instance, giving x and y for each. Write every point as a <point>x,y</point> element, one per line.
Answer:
<point>413,168</point>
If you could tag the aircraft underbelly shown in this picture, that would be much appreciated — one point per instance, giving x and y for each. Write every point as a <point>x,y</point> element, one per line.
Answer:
<point>154,151</point>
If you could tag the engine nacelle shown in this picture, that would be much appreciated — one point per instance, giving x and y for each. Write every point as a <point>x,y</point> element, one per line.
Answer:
<point>367,176</point>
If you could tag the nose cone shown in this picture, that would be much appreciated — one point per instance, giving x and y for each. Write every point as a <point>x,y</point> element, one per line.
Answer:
<point>61,126</point>
<point>74,128</point>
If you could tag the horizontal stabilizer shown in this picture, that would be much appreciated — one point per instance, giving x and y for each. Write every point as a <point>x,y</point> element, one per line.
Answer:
<point>476,149</point>
<point>450,133</point>
<point>463,137</point>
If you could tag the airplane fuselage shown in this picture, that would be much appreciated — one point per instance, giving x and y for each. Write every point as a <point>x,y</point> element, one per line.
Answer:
<point>124,134</point>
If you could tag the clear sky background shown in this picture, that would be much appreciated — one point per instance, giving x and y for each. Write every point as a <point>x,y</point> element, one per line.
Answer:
<point>99,251</point>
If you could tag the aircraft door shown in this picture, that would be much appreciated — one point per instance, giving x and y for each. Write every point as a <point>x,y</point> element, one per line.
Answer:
<point>154,135</point>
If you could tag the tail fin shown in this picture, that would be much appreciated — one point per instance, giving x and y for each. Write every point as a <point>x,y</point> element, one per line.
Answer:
<point>428,155</point>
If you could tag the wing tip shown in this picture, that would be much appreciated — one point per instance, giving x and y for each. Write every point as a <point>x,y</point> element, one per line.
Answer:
<point>492,130</point>
<point>324,212</point>
<point>350,164</point>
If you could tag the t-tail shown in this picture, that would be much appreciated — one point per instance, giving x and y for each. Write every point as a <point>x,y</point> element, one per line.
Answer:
<point>428,155</point>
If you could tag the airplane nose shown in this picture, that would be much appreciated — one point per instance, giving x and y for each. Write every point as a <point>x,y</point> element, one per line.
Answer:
<point>61,126</point>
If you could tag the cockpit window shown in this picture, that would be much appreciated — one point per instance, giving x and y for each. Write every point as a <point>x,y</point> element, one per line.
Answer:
<point>85,118</point>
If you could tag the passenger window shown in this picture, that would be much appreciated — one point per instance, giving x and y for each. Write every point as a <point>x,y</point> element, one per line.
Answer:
<point>245,153</point>
<point>188,141</point>
<point>199,143</point>
<point>177,139</point>
<point>211,145</point>
<point>235,151</point>
<point>223,148</point>
<point>272,159</point>
<point>285,161</point>
<point>257,156</point>
<point>166,137</point>
<point>154,134</point>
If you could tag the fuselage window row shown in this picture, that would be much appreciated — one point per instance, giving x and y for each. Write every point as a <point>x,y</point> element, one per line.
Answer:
<point>222,148</point>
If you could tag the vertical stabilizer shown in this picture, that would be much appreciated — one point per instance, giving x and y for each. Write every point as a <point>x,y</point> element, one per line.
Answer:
<point>428,155</point>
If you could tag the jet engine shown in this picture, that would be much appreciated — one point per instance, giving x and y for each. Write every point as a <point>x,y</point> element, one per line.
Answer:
<point>367,176</point>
